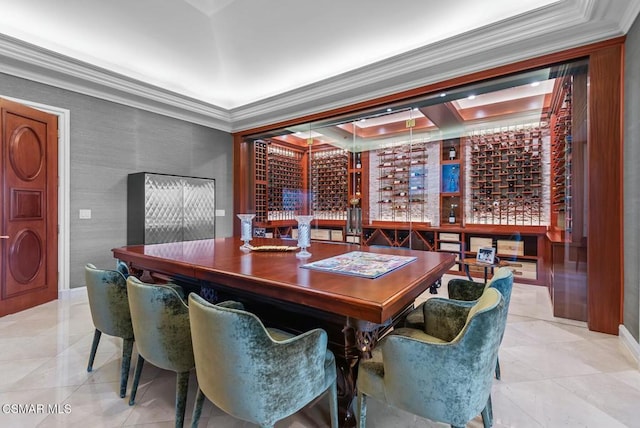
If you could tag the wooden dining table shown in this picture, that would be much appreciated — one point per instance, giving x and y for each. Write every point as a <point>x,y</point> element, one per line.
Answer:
<point>355,311</point>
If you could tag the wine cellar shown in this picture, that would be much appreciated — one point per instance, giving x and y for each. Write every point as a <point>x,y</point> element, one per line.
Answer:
<point>415,195</point>
<point>433,176</point>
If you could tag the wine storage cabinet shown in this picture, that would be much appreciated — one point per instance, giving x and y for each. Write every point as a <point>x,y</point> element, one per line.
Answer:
<point>506,176</point>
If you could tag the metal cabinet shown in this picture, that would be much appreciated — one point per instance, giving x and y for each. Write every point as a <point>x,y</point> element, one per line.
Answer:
<point>169,208</point>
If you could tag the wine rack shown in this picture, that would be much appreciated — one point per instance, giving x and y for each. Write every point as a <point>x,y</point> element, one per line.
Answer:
<point>561,153</point>
<point>329,184</point>
<point>260,176</point>
<point>506,175</point>
<point>277,176</point>
<point>402,182</point>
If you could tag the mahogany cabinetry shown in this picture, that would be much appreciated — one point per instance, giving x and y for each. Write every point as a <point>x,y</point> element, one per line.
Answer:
<point>567,240</point>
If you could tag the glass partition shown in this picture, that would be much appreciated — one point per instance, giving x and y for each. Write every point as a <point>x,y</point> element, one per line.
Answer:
<point>499,163</point>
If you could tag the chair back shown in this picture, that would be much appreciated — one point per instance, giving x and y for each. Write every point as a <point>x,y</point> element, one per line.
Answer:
<point>248,374</point>
<point>107,292</point>
<point>453,383</point>
<point>160,321</point>
<point>502,281</point>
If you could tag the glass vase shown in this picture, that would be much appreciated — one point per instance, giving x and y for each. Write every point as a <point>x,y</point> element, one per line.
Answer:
<point>304,235</point>
<point>246,229</point>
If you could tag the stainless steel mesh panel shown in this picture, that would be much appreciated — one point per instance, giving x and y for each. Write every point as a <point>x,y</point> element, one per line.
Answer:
<point>199,209</point>
<point>178,208</point>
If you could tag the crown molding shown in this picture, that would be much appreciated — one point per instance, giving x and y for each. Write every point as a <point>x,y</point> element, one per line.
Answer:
<point>557,27</point>
<point>563,25</point>
<point>31,62</point>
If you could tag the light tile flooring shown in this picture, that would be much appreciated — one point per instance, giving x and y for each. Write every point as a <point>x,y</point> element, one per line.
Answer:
<point>555,373</point>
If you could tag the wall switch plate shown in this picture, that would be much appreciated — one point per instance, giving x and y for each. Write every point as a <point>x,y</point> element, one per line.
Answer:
<point>84,214</point>
<point>220,213</point>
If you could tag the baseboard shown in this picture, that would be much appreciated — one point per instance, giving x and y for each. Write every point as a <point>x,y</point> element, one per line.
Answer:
<point>71,292</point>
<point>630,344</point>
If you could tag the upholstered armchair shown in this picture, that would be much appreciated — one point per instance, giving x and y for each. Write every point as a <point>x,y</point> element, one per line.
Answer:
<point>160,321</point>
<point>107,292</point>
<point>443,373</point>
<point>462,289</point>
<point>257,374</point>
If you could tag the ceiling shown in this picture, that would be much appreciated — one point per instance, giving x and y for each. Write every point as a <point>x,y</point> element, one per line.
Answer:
<point>236,64</point>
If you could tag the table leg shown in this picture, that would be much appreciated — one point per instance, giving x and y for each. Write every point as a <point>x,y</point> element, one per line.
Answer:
<point>433,288</point>
<point>466,270</point>
<point>359,341</point>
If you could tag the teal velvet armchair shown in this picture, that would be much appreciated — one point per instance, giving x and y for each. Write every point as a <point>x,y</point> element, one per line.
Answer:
<point>443,374</point>
<point>462,289</point>
<point>160,321</point>
<point>257,374</point>
<point>107,292</point>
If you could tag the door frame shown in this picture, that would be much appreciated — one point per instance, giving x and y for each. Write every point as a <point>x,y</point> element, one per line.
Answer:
<point>64,143</point>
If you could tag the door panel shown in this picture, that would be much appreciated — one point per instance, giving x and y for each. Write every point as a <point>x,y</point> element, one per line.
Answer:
<point>28,220</point>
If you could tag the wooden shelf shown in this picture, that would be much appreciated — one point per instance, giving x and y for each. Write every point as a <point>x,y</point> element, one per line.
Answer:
<point>401,183</point>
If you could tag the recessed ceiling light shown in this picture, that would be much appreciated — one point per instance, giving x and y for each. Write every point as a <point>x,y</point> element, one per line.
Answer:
<point>471,97</point>
<point>444,94</point>
<point>388,109</point>
<point>534,84</point>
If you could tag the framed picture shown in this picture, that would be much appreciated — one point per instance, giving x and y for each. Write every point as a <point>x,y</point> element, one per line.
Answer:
<point>486,255</point>
<point>450,179</point>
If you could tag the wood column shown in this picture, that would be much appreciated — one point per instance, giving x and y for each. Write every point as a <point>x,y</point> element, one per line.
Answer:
<point>605,180</point>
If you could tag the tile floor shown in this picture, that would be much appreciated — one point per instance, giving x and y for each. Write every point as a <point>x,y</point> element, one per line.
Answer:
<point>555,373</point>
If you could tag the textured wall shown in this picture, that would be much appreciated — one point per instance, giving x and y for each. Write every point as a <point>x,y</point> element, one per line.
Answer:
<point>109,141</point>
<point>632,181</point>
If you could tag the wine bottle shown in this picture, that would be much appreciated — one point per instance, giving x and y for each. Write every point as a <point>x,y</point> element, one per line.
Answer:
<point>452,153</point>
<point>452,215</point>
<point>358,160</point>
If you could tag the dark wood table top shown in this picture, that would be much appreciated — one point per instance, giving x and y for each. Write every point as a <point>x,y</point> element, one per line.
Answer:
<point>279,275</point>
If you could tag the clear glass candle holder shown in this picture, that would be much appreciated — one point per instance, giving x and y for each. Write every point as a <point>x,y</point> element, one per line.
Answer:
<point>304,235</point>
<point>246,229</point>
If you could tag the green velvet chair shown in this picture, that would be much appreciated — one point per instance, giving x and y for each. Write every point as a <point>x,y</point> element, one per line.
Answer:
<point>160,321</point>
<point>107,292</point>
<point>443,373</point>
<point>257,374</point>
<point>462,289</point>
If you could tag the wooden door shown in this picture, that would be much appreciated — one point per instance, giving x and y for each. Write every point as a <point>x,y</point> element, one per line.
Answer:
<point>29,201</point>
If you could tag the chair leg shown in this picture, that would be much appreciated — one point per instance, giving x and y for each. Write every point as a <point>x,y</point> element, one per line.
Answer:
<point>487,414</point>
<point>362,410</point>
<point>136,380</point>
<point>197,408</point>
<point>94,348</point>
<point>333,404</point>
<point>498,368</point>
<point>182,388</point>
<point>127,350</point>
